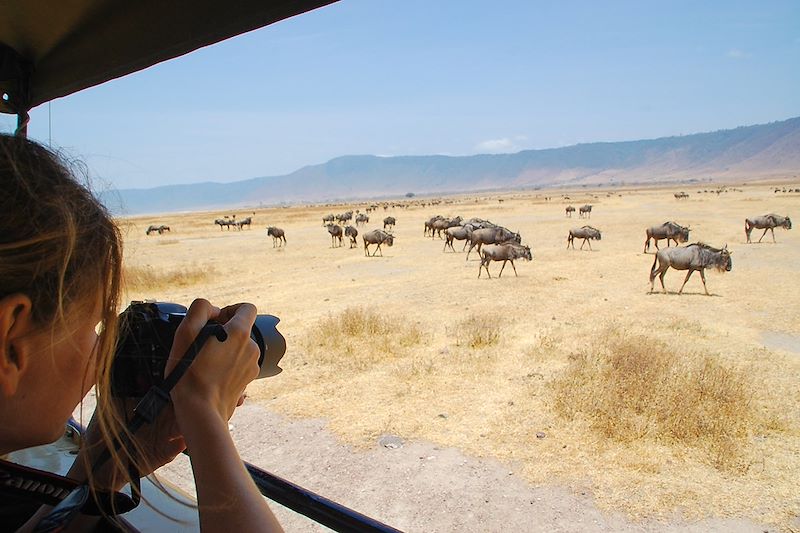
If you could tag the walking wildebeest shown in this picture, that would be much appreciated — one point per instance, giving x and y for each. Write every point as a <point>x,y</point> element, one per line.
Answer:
<point>361,219</point>
<point>668,230</point>
<point>505,252</point>
<point>493,235</point>
<point>767,223</point>
<point>697,256</point>
<point>336,233</point>
<point>278,236</point>
<point>328,219</point>
<point>244,222</point>
<point>378,237</point>
<point>460,233</point>
<point>224,222</point>
<point>569,210</point>
<point>351,232</point>
<point>389,221</point>
<point>344,217</point>
<point>681,195</point>
<point>586,233</point>
<point>160,229</point>
<point>585,211</point>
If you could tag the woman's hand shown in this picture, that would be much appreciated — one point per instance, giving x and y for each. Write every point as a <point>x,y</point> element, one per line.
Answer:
<point>214,384</point>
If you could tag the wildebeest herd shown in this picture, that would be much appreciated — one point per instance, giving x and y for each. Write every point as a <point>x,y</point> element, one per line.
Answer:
<point>495,243</point>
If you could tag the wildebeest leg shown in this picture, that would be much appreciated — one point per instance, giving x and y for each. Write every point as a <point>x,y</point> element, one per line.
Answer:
<point>583,243</point>
<point>366,249</point>
<point>770,229</point>
<point>378,249</point>
<point>703,277</point>
<point>765,232</point>
<point>500,275</point>
<point>471,246</point>
<point>661,278</point>
<point>515,268</point>
<point>687,279</point>
<point>646,245</point>
<point>569,240</point>
<point>589,242</point>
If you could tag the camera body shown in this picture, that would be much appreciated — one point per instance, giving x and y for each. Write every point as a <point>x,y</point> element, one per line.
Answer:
<point>147,330</point>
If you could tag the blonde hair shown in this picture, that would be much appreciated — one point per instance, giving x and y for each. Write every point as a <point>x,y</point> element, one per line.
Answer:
<point>61,248</point>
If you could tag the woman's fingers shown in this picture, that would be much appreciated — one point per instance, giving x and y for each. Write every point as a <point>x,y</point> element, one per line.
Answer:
<point>198,315</point>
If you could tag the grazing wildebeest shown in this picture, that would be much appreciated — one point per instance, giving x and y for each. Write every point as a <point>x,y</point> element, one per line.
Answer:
<point>160,229</point>
<point>681,195</point>
<point>668,230</point>
<point>389,221</point>
<point>460,233</point>
<point>697,256</point>
<point>586,233</point>
<point>570,210</point>
<point>767,223</point>
<point>505,252</point>
<point>479,223</point>
<point>585,211</point>
<point>328,219</point>
<point>494,235</point>
<point>224,222</point>
<point>344,217</point>
<point>278,236</point>
<point>361,219</point>
<point>351,232</point>
<point>244,222</point>
<point>336,233</point>
<point>378,237</point>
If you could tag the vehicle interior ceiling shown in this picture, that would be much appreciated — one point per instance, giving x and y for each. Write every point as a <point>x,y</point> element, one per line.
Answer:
<point>49,50</point>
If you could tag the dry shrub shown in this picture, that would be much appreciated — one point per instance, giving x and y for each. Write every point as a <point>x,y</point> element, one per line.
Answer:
<point>479,330</point>
<point>631,387</point>
<point>148,278</point>
<point>359,338</point>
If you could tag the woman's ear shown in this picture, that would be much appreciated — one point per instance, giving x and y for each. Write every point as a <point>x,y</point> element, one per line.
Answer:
<point>16,323</point>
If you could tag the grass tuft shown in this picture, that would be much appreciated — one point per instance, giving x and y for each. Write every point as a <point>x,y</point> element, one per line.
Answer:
<point>479,331</point>
<point>360,338</point>
<point>149,278</point>
<point>633,388</point>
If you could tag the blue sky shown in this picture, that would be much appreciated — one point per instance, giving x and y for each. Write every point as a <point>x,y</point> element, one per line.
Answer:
<point>434,77</point>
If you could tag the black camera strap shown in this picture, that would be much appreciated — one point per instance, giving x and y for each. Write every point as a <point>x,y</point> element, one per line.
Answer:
<point>145,412</point>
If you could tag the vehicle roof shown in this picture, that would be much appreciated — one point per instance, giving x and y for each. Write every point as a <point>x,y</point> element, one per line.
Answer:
<point>53,49</point>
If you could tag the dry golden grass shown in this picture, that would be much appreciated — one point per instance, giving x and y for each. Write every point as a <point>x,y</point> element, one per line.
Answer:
<point>633,388</point>
<point>408,355</point>
<point>359,338</point>
<point>138,278</point>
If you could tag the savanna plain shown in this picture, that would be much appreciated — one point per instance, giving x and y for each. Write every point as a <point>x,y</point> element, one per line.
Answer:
<point>572,374</point>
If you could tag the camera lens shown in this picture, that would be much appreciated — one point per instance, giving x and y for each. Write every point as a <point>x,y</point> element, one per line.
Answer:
<point>271,344</point>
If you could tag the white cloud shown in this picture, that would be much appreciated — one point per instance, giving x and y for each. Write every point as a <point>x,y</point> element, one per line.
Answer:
<point>496,146</point>
<point>735,53</point>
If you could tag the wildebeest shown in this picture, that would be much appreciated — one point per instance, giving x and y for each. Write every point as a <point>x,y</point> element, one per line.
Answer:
<point>442,224</point>
<point>160,229</point>
<point>569,210</point>
<point>585,211</point>
<point>362,219</point>
<point>336,233</point>
<point>493,235</point>
<point>429,224</point>
<point>328,219</point>
<point>767,223</point>
<point>278,236</point>
<point>505,252</point>
<point>681,195</point>
<point>586,233</point>
<point>697,256</point>
<point>352,232</point>
<point>388,221</point>
<point>227,222</point>
<point>459,233</point>
<point>378,237</point>
<point>244,222</point>
<point>668,230</point>
<point>344,217</point>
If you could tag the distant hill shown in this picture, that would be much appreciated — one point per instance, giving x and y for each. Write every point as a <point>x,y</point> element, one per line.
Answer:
<point>744,153</point>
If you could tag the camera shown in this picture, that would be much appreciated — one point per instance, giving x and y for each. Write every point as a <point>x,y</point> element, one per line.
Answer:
<point>147,330</point>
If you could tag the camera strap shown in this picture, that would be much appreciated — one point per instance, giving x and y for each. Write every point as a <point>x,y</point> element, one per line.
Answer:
<point>145,412</point>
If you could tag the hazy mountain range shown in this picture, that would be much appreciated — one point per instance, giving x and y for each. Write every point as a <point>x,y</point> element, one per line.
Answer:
<point>741,154</point>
